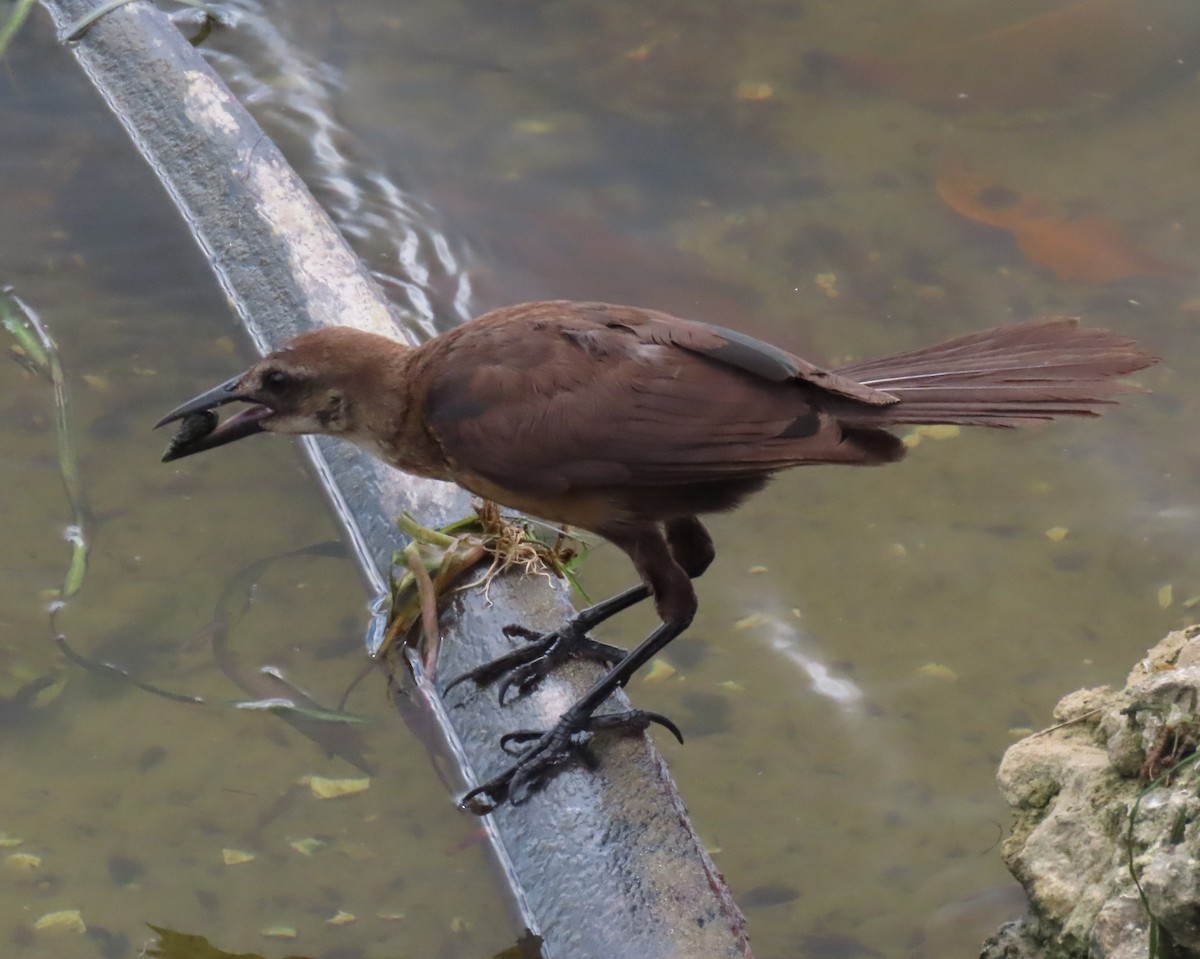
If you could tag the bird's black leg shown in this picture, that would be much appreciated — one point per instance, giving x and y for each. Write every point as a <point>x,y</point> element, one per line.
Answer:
<point>691,549</point>
<point>675,601</point>
<point>527,665</point>
<point>569,735</point>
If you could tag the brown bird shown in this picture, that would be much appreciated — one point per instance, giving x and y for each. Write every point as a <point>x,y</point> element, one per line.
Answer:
<point>631,423</point>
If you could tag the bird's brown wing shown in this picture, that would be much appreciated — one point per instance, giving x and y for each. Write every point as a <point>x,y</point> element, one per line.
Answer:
<point>594,397</point>
<point>738,350</point>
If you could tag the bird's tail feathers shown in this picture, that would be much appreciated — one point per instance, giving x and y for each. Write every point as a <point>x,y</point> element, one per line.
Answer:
<point>1007,376</point>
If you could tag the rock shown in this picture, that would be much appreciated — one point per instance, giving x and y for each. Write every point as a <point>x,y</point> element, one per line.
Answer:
<point>1171,883</point>
<point>1020,939</point>
<point>1121,930</point>
<point>1115,778</point>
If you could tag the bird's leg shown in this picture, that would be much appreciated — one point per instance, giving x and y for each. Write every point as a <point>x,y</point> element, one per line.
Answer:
<point>526,665</point>
<point>691,549</point>
<point>568,737</point>
<point>675,600</point>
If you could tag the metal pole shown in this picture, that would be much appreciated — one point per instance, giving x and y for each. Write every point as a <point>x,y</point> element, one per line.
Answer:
<point>602,863</point>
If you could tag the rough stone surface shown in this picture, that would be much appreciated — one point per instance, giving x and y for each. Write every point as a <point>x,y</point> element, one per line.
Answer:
<point>1110,792</point>
<point>1171,883</point>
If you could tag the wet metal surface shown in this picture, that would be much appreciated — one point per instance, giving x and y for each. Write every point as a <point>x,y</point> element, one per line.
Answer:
<point>286,269</point>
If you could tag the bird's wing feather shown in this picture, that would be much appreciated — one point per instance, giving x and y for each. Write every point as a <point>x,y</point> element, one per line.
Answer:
<point>600,399</point>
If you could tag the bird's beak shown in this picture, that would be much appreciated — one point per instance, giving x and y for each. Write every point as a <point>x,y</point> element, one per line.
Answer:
<point>201,428</point>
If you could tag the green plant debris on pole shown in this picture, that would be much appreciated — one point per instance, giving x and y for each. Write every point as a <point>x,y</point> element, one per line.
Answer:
<point>427,570</point>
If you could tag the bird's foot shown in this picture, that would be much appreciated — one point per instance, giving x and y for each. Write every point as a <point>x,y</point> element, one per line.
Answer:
<point>528,665</point>
<point>568,739</point>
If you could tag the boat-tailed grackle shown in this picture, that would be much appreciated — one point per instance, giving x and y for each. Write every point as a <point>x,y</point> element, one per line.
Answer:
<point>631,424</point>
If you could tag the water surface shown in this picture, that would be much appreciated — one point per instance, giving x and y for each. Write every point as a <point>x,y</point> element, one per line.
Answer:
<point>869,642</point>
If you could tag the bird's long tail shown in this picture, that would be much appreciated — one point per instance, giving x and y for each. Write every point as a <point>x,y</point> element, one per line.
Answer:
<point>1007,376</point>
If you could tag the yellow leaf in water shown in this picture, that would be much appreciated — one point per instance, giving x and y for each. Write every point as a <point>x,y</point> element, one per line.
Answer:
<point>100,384</point>
<point>280,932</point>
<point>306,847</point>
<point>7,841</point>
<point>732,685</point>
<point>756,570</point>
<point>941,431</point>
<point>324,788</point>
<point>534,126</point>
<point>341,919</point>
<point>1166,596</point>
<point>754,92</point>
<point>659,670</point>
<point>235,857</point>
<point>65,920</point>
<point>827,283</point>
<point>936,431</point>
<point>938,671</point>
<point>751,621</point>
<point>23,861</point>
<point>390,916</point>
<point>1056,534</point>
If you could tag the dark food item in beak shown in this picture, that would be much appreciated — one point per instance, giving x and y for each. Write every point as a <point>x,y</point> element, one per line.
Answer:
<point>227,392</point>
<point>200,428</point>
<point>192,428</point>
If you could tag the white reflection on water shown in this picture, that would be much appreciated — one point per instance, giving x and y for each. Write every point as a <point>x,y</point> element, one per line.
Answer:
<point>788,641</point>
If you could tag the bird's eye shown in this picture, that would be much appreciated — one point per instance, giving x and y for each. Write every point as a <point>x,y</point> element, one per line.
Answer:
<point>275,379</point>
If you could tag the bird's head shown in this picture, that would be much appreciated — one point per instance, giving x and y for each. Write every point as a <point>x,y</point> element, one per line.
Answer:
<point>311,385</point>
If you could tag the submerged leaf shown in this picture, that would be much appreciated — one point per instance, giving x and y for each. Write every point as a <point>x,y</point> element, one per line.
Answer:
<point>752,621</point>
<point>939,671</point>
<point>306,847</point>
<point>1086,249</point>
<point>324,788</point>
<point>65,920</point>
<point>180,945</point>
<point>659,671</point>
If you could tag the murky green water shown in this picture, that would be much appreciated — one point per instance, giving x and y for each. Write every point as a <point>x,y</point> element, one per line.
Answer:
<point>842,742</point>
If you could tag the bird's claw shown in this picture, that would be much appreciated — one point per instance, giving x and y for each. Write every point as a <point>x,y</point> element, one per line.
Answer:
<point>528,665</point>
<point>568,738</point>
<point>637,720</point>
<point>492,670</point>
